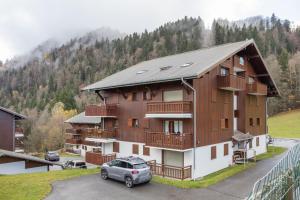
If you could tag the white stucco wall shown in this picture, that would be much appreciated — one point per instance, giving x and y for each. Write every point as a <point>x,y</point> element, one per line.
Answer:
<point>204,164</point>
<point>262,148</point>
<point>19,168</point>
<point>126,150</point>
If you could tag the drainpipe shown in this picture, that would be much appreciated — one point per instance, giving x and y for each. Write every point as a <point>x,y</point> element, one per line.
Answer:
<point>194,124</point>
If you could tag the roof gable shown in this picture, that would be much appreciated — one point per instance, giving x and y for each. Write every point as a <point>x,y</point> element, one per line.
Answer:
<point>16,115</point>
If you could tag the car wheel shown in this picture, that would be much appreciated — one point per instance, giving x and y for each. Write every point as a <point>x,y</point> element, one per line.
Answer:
<point>129,182</point>
<point>104,174</point>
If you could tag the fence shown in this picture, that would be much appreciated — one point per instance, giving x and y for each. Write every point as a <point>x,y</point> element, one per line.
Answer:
<point>282,182</point>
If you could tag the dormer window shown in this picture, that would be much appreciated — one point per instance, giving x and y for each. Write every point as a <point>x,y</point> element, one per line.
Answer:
<point>242,61</point>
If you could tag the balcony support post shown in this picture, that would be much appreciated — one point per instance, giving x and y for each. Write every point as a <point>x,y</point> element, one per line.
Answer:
<point>194,123</point>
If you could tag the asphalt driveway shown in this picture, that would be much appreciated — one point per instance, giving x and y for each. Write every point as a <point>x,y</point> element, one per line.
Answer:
<point>93,187</point>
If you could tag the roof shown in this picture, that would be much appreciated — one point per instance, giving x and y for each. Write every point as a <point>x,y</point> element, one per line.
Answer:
<point>25,157</point>
<point>17,115</point>
<point>239,136</point>
<point>186,65</point>
<point>83,119</point>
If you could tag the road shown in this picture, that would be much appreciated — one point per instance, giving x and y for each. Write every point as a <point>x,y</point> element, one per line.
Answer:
<point>233,188</point>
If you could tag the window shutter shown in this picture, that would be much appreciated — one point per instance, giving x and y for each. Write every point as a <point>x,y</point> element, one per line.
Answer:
<point>222,123</point>
<point>225,149</point>
<point>129,122</point>
<point>146,151</point>
<point>135,149</point>
<point>145,123</point>
<point>116,147</point>
<point>213,152</point>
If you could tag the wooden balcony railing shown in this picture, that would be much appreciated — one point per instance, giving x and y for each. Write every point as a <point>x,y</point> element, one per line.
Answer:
<point>231,82</point>
<point>257,88</point>
<point>19,130</point>
<point>97,158</point>
<point>169,107</point>
<point>102,110</point>
<point>170,171</point>
<point>94,132</point>
<point>173,141</point>
<point>73,140</point>
<point>99,133</point>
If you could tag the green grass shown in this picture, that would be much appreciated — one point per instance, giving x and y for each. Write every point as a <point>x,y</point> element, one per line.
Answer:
<point>218,176</point>
<point>285,125</point>
<point>66,154</point>
<point>35,186</point>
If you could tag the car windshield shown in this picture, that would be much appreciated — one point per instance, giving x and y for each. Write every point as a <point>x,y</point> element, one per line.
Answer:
<point>140,166</point>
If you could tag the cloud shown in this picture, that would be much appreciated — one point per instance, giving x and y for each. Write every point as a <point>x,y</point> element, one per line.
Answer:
<point>25,24</point>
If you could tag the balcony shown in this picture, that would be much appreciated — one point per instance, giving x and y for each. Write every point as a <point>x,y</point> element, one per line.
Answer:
<point>257,88</point>
<point>231,82</point>
<point>174,109</point>
<point>99,133</point>
<point>109,110</point>
<point>74,140</point>
<point>173,141</point>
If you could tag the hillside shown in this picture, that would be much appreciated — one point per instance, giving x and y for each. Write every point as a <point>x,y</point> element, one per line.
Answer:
<point>55,73</point>
<point>285,125</point>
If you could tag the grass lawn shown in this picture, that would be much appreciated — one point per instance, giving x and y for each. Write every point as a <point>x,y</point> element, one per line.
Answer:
<point>35,186</point>
<point>285,125</point>
<point>66,154</point>
<point>218,176</point>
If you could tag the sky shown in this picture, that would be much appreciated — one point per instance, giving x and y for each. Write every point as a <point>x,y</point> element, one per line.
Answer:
<point>25,24</point>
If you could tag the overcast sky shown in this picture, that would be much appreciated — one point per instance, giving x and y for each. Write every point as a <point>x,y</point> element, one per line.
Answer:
<point>24,24</point>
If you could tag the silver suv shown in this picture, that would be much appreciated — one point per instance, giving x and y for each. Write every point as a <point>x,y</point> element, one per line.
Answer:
<point>131,170</point>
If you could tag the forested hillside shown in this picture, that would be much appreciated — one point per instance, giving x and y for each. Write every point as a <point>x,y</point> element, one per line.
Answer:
<point>36,88</point>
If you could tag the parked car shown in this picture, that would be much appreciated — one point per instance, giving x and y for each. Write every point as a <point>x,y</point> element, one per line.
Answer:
<point>52,156</point>
<point>73,164</point>
<point>131,170</point>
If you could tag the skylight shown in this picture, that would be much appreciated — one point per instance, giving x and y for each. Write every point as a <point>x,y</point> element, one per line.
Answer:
<point>186,64</point>
<point>141,72</point>
<point>165,68</point>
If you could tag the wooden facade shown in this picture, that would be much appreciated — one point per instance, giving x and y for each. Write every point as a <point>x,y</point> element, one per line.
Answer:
<point>11,133</point>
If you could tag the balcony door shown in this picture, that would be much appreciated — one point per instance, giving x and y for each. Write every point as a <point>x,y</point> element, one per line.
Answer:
<point>174,95</point>
<point>173,126</point>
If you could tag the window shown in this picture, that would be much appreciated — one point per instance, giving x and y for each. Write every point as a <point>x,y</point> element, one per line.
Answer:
<point>258,121</point>
<point>224,71</point>
<point>213,152</point>
<point>115,163</point>
<point>257,141</point>
<point>251,121</point>
<point>173,126</point>
<point>135,149</point>
<point>122,164</point>
<point>116,147</point>
<point>146,151</point>
<point>145,95</point>
<point>134,96</point>
<point>242,61</point>
<point>175,95</point>
<point>225,149</point>
<point>135,123</point>
<point>250,144</point>
<point>224,123</point>
<point>250,80</point>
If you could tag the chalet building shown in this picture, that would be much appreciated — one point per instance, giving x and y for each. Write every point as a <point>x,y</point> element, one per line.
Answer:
<point>11,132</point>
<point>188,114</point>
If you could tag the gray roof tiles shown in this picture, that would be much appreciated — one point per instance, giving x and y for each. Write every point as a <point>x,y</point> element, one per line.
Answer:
<point>83,119</point>
<point>202,60</point>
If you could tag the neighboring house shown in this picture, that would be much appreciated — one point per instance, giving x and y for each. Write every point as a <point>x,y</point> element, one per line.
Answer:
<point>194,113</point>
<point>11,132</point>
<point>16,163</point>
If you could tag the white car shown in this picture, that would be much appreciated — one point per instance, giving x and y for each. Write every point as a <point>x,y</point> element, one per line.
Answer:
<point>79,164</point>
